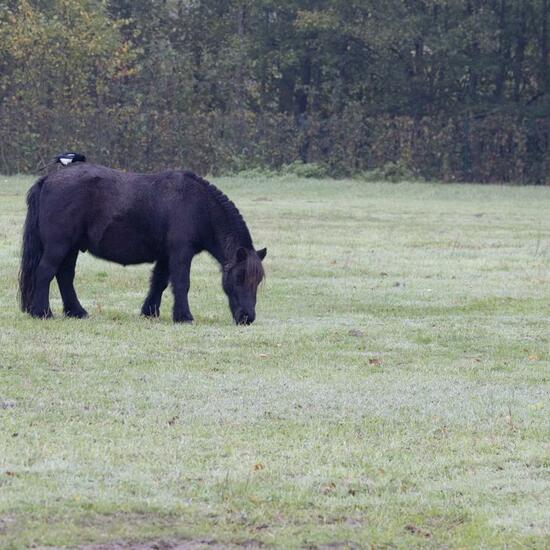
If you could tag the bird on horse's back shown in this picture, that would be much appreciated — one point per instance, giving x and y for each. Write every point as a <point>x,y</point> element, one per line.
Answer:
<point>128,218</point>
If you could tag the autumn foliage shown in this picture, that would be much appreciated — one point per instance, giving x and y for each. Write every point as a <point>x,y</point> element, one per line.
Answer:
<point>441,89</point>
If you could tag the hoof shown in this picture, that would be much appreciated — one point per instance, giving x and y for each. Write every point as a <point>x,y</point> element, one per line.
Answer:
<point>150,311</point>
<point>187,320</point>
<point>44,314</point>
<point>76,313</point>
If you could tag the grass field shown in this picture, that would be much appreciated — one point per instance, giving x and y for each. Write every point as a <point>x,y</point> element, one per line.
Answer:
<point>394,390</point>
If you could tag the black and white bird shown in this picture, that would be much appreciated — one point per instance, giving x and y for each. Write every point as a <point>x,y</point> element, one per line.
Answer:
<point>68,158</point>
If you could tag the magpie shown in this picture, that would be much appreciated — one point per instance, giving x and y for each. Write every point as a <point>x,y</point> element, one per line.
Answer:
<point>67,158</point>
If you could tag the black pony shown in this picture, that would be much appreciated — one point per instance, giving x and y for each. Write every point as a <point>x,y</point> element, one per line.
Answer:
<point>128,218</point>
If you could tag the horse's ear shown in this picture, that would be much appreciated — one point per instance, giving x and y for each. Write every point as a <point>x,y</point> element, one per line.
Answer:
<point>242,254</point>
<point>262,253</point>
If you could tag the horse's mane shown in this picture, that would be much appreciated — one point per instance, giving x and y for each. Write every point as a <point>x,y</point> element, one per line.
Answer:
<point>253,265</point>
<point>234,217</point>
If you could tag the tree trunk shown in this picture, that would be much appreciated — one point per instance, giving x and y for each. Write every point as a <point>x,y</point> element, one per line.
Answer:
<point>520,50</point>
<point>504,51</point>
<point>239,77</point>
<point>544,71</point>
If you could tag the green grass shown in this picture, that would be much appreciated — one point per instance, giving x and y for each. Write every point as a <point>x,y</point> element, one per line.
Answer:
<point>394,390</point>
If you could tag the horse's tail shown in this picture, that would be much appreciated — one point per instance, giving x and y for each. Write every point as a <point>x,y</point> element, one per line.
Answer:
<point>31,250</point>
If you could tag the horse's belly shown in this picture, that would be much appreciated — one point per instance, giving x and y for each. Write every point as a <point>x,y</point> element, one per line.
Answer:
<point>124,257</point>
<point>124,247</point>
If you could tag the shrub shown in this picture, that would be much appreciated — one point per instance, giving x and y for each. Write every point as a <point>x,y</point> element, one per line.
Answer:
<point>305,170</point>
<point>390,171</point>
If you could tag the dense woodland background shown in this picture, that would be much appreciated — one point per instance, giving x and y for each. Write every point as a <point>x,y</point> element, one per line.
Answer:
<point>448,89</point>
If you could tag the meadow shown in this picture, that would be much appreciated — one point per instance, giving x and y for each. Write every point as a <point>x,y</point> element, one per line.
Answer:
<point>394,391</point>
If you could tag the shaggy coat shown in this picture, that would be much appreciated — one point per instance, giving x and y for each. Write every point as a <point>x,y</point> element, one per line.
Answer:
<point>165,218</point>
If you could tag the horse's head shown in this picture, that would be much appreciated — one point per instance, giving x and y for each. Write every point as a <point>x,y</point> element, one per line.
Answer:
<point>240,280</point>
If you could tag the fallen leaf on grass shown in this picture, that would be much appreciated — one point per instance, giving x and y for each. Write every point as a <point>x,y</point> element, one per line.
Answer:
<point>417,531</point>
<point>263,356</point>
<point>375,361</point>
<point>356,332</point>
<point>327,488</point>
<point>257,467</point>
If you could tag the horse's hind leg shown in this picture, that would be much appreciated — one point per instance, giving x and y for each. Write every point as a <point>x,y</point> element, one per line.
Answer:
<point>47,268</point>
<point>159,282</point>
<point>65,281</point>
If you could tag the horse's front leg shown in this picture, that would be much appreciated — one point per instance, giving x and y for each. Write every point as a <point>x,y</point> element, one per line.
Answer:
<point>159,282</point>
<point>180,268</point>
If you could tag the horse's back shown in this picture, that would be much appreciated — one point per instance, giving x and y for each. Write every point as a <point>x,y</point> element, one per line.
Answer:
<point>97,209</point>
<point>119,216</point>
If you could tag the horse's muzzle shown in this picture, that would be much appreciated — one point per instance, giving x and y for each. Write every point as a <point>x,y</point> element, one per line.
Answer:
<point>245,318</point>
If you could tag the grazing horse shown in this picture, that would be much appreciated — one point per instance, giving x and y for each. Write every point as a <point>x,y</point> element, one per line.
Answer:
<point>165,218</point>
